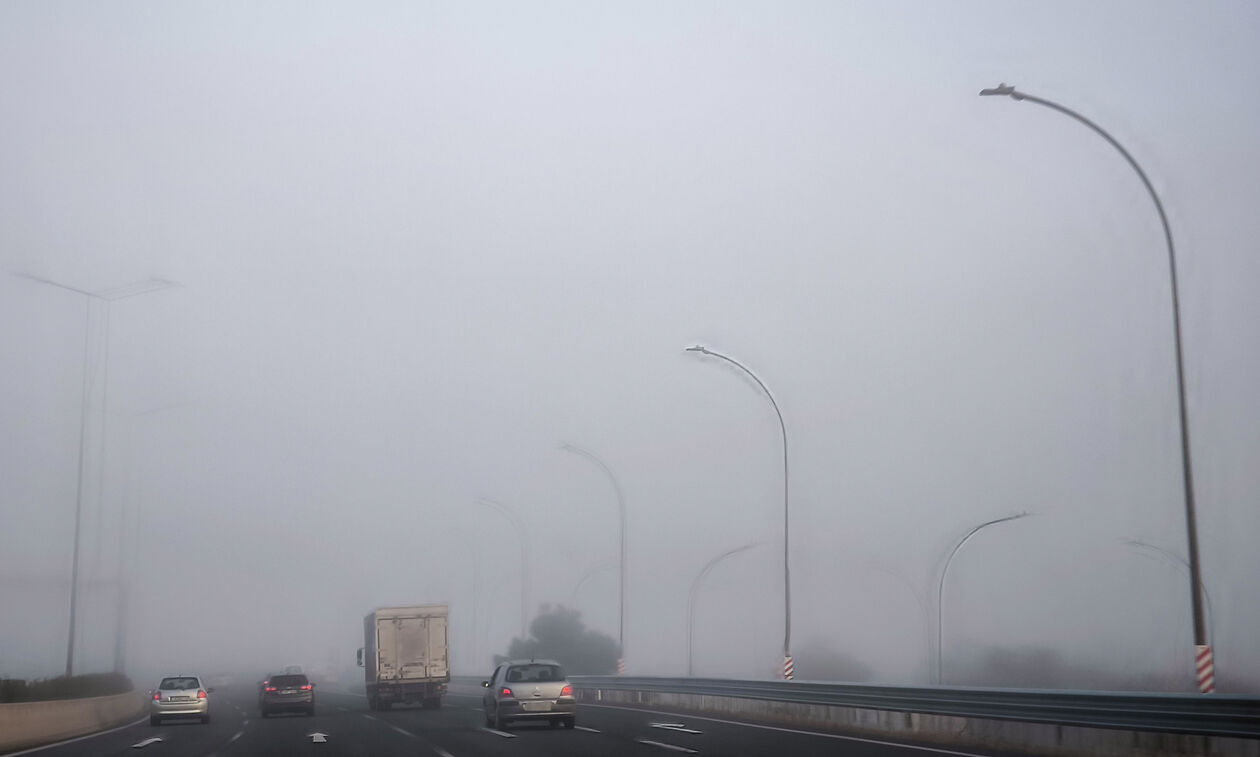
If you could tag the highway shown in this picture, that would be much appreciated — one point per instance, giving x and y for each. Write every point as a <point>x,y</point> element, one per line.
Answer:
<point>344,727</point>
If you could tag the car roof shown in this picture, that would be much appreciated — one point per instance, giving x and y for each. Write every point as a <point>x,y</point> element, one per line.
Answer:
<point>532,662</point>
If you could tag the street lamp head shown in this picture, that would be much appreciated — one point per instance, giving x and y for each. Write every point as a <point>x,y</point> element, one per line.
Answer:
<point>697,348</point>
<point>1002,89</point>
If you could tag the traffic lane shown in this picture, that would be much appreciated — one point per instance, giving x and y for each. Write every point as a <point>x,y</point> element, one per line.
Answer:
<point>672,732</point>
<point>467,735</point>
<point>183,736</point>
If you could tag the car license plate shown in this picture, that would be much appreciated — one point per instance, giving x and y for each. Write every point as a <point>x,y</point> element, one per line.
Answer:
<point>289,691</point>
<point>536,706</point>
<point>181,699</point>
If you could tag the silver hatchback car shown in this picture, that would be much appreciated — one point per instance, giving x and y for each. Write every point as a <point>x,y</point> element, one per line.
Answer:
<point>529,690</point>
<point>180,697</point>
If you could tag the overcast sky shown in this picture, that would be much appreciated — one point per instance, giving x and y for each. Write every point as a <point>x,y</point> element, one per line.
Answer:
<point>419,245</point>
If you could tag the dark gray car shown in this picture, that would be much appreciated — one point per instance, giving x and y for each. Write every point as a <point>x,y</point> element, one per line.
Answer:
<point>529,690</point>
<point>287,693</point>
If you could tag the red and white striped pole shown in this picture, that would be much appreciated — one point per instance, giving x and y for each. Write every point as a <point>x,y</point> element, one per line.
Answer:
<point>789,670</point>
<point>621,666</point>
<point>1204,668</point>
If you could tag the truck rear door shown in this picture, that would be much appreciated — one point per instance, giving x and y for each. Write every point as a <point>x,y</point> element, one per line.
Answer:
<point>437,664</point>
<point>412,638</point>
<point>387,666</point>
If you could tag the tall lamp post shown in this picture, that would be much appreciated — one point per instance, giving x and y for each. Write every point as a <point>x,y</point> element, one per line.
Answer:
<point>519,525</point>
<point>1181,562</point>
<point>106,296</point>
<point>585,577</point>
<point>1203,649</point>
<point>691,595</point>
<point>788,667</point>
<point>621,560</point>
<point>940,588</point>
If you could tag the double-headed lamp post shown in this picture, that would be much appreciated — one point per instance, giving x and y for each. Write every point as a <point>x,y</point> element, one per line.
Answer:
<point>621,559</point>
<point>1203,649</point>
<point>788,665</point>
<point>106,296</point>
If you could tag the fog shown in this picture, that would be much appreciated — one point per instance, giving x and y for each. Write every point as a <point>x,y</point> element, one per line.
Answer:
<point>414,248</point>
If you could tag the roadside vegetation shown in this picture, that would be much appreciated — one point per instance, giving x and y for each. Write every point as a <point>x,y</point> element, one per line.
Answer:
<point>14,690</point>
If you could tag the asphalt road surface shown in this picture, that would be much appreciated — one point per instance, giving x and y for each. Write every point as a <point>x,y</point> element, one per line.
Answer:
<point>344,727</point>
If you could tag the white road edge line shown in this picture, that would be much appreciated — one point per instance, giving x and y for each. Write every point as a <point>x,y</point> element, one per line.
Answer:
<point>584,728</point>
<point>504,734</point>
<point>670,747</point>
<point>934,750</point>
<point>77,738</point>
<point>405,733</point>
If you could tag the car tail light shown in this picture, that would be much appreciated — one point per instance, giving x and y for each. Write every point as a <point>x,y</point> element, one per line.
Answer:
<point>306,687</point>
<point>270,688</point>
<point>201,693</point>
<point>506,692</point>
<point>567,691</point>
<point>157,696</point>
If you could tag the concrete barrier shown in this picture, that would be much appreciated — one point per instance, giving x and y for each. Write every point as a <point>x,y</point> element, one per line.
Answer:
<point>1039,739</point>
<point>27,724</point>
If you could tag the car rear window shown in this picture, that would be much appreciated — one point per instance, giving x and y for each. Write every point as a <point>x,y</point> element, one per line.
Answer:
<point>522,673</point>
<point>288,680</point>
<point>179,684</point>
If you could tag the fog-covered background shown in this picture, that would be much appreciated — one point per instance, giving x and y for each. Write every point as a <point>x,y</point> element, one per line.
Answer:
<point>417,246</point>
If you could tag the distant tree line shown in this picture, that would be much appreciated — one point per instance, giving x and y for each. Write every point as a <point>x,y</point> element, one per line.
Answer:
<point>75,687</point>
<point>559,634</point>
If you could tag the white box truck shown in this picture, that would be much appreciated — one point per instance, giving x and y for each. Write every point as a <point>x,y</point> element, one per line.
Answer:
<point>405,657</point>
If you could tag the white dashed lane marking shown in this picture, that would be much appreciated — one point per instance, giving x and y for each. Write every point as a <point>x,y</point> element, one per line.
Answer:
<point>584,728</point>
<point>504,734</point>
<point>670,747</point>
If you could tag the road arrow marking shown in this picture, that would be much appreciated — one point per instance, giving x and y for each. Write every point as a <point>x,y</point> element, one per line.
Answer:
<point>680,727</point>
<point>146,742</point>
<point>317,737</point>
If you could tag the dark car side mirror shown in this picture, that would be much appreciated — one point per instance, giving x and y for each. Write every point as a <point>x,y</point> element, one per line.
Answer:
<point>486,684</point>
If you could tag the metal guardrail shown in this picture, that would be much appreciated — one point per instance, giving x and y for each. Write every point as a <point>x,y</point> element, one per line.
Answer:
<point>1213,715</point>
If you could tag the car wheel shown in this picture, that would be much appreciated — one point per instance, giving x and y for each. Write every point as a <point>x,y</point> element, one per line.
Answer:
<point>310,711</point>
<point>553,723</point>
<point>570,723</point>
<point>262,713</point>
<point>155,720</point>
<point>489,722</point>
<point>384,706</point>
<point>499,723</point>
<point>205,718</point>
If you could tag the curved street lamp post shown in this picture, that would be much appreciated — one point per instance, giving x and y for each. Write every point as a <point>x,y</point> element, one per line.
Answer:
<point>940,588</point>
<point>691,595</point>
<point>1203,649</point>
<point>621,560</point>
<point>788,666</point>
<point>516,522</point>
